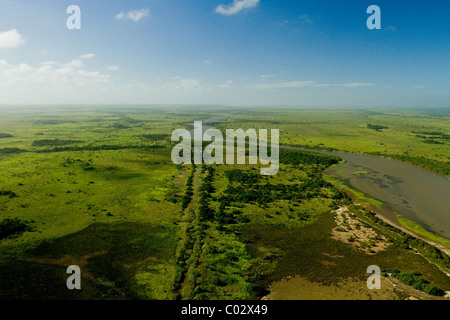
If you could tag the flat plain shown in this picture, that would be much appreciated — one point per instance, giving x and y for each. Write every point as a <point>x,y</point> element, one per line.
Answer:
<point>96,187</point>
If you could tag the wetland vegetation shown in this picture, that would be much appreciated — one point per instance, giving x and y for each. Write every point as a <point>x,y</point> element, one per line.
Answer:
<point>96,187</point>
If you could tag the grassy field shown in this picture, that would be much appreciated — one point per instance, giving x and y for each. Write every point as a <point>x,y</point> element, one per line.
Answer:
<point>97,188</point>
<point>109,198</point>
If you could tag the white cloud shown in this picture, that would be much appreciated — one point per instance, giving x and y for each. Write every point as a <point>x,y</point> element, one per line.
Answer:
<point>87,56</point>
<point>280,85</point>
<point>390,29</point>
<point>11,39</point>
<point>112,68</point>
<point>49,74</point>
<point>207,61</point>
<point>48,63</point>
<point>417,87</point>
<point>264,77</point>
<point>182,84</point>
<point>73,64</point>
<point>301,84</point>
<point>355,84</point>
<point>133,15</point>
<point>236,7</point>
<point>305,18</point>
<point>227,84</point>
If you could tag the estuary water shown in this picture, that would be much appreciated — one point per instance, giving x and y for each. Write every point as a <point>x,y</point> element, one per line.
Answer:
<point>415,193</point>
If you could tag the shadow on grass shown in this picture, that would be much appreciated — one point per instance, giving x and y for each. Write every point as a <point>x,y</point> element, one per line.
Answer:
<point>109,256</point>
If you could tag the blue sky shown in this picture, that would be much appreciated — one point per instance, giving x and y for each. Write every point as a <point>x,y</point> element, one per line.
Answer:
<point>226,52</point>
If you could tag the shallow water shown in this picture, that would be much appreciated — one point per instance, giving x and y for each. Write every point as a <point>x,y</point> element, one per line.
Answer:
<point>415,193</point>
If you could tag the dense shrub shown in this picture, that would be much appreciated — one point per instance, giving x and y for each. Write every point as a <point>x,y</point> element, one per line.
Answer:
<point>11,150</point>
<point>240,176</point>
<point>12,228</point>
<point>414,280</point>
<point>205,212</point>
<point>376,127</point>
<point>189,191</point>
<point>266,193</point>
<point>9,193</point>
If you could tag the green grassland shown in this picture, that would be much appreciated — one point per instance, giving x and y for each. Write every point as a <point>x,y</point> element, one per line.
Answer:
<point>97,188</point>
<point>100,194</point>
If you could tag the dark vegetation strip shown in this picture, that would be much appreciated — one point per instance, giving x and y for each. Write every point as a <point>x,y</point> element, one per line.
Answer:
<point>154,137</point>
<point>318,147</point>
<point>100,148</point>
<point>440,167</point>
<point>224,260</point>
<point>53,121</point>
<point>205,211</point>
<point>5,151</point>
<point>376,127</point>
<point>431,135</point>
<point>431,141</point>
<point>53,142</point>
<point>189,190</point>
<point>189,250</point>
<point>104,147</point>
<point>196,239</point>
<point>210,256</point>
<point>414,280</point>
